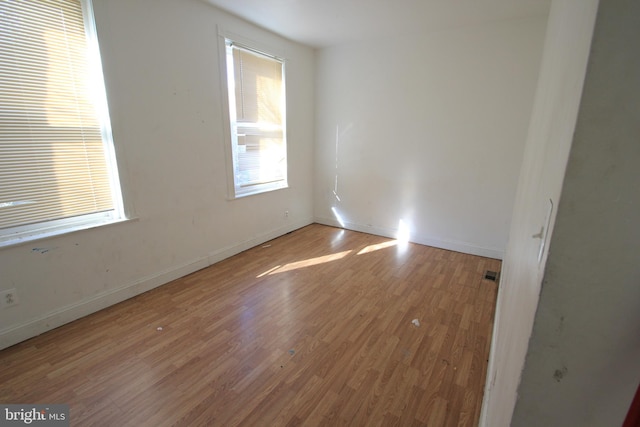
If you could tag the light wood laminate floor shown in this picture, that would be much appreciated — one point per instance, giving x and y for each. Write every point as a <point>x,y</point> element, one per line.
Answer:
<point>312,328</point>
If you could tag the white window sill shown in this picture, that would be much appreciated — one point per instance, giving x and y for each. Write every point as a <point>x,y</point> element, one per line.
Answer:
<point>12,241</point>
<point>258,190</point>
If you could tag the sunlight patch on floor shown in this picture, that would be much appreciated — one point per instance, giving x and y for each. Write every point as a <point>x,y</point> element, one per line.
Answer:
<point>306,263</point>
<point>377,247</point>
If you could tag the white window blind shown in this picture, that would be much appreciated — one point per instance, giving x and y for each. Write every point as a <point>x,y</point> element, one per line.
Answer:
<point>257,113</point>
<point>56,153</point>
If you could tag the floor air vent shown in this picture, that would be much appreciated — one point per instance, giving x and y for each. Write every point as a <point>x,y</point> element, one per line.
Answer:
<point>491,275</point>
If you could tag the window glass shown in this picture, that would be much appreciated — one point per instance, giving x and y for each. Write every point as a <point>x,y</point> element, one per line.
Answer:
<point>57,166</point>
<point>256,88</point>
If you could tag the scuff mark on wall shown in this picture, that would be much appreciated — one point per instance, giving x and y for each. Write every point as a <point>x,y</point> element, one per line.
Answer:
<point>560,373</point>
<point>43,250</point>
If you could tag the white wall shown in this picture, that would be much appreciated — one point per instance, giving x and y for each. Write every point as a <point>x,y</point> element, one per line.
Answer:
<point>549,139</point>
<point>428,129</point>
<point>582,363</point>
<point>162,73</point>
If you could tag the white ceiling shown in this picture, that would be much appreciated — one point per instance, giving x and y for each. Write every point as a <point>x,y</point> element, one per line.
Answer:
<point>323,23</point>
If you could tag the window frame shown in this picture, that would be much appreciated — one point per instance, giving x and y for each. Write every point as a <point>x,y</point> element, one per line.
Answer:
<point>47,228</point>
<point>234,190</point>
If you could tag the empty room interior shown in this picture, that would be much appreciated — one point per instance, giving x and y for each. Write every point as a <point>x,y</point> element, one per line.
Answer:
<point>288,212</point>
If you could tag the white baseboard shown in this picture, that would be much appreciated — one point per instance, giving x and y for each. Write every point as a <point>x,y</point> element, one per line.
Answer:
<point>450,245</point>
<point>21,332</point>
<point>227,252</point>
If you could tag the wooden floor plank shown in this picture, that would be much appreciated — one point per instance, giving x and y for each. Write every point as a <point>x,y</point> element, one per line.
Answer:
<point>312,328</point>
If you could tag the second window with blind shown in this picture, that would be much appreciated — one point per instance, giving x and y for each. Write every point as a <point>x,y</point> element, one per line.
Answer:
<point>257,115</point>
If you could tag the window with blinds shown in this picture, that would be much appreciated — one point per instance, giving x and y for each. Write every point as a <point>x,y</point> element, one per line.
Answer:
<point>256,90</point>
<point>57,167</point>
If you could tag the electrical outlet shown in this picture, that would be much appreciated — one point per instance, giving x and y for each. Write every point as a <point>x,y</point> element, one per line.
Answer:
<point>9,298</point>
<point>286,214</point>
